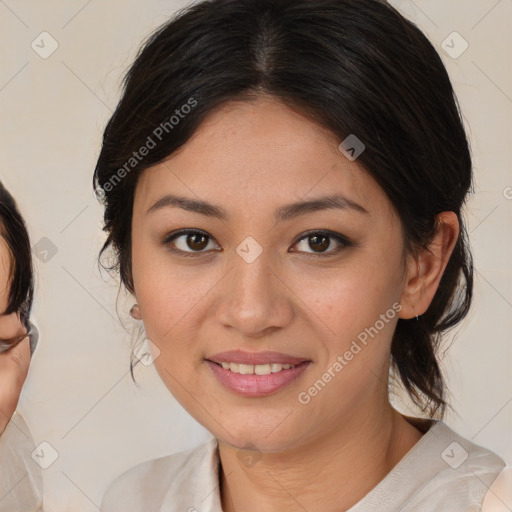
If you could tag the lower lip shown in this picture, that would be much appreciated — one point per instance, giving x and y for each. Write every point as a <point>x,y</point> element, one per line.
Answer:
<point>256,385</point>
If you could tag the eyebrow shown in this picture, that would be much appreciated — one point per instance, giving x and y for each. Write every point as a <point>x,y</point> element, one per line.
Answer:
<point>283,213</point>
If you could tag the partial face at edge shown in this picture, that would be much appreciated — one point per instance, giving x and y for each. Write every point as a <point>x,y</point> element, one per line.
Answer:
<point>11,326</point>
<point>308,297</point>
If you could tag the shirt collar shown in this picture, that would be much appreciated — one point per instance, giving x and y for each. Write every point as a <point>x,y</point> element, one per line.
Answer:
<point>196,487</point>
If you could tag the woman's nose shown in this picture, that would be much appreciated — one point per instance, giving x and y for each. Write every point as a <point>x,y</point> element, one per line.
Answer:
<point>254,299</point>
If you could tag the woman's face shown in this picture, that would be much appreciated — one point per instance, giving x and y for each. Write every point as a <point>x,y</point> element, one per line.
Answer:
<point>263,279</point>
<point>11,327</point>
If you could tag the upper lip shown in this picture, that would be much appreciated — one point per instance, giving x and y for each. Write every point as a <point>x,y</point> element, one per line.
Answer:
<point>241,356</point>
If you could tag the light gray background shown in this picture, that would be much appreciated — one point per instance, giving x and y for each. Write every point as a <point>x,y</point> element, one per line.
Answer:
<point>79,396</point>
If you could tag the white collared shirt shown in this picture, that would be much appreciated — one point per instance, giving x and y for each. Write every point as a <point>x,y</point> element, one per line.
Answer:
<point>442,472</point>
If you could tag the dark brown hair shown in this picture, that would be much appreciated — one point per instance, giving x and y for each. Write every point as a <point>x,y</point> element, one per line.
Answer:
<point>354,66</point>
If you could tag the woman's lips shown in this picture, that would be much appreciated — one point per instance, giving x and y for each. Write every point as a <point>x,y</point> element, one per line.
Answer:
<point>252,385</point>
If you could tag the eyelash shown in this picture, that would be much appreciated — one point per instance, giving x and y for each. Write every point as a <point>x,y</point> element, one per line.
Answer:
<point>343,241</point>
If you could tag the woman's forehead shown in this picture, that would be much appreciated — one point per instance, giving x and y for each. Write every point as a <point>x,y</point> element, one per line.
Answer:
<point>263,151</point>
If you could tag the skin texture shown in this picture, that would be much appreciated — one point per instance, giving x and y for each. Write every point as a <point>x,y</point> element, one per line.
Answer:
<point>250,159</point>
<point>15,362</point>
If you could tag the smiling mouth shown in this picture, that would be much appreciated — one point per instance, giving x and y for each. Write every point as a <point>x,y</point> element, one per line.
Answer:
<point>256,369</point>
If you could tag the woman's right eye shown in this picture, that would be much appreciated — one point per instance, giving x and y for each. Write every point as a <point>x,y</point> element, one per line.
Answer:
<point>189,242</point>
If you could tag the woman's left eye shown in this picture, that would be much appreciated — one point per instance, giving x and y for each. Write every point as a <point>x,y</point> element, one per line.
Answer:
<point>323,242</point>
<point>192,242</point>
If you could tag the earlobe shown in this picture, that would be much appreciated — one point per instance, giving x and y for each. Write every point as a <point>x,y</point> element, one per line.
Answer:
<point>135,312</point>
<point>426,269</point>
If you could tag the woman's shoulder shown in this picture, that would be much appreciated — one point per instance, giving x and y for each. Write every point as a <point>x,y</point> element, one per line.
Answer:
<point>459,458</point>
<point>467,474</point>
<point>21,480</point>
<point>443,471</point>
<point>146,485</point>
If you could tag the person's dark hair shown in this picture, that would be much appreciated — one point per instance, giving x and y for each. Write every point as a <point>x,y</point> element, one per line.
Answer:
<point>21,276</point>
<point>353,66</point>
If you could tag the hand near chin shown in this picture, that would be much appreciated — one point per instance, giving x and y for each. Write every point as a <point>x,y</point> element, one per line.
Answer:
<point>14,366</point>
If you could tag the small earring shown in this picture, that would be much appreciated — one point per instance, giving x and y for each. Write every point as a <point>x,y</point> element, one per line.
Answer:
<point>135,312</point>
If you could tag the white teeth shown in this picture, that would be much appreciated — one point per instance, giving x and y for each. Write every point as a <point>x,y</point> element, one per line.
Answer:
<point>245,369</point>
<point>258,369</point>
<point>262,369</point>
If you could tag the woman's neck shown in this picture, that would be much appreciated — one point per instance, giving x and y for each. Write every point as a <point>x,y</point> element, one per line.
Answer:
<point>330,474</point>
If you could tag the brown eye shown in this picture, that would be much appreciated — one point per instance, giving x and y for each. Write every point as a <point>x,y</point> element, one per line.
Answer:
<point>189,242</point>
<point>319,242</point>
<point>322,242</point>
<point>197,242</point>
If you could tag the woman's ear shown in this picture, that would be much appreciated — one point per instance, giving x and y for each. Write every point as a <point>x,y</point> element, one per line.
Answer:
<point>424,270</point>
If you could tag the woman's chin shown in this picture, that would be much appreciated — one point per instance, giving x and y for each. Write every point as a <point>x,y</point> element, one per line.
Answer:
<point>246,437</point>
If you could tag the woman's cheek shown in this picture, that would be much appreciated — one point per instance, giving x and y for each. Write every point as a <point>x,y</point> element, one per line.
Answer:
<point>360,318</point>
